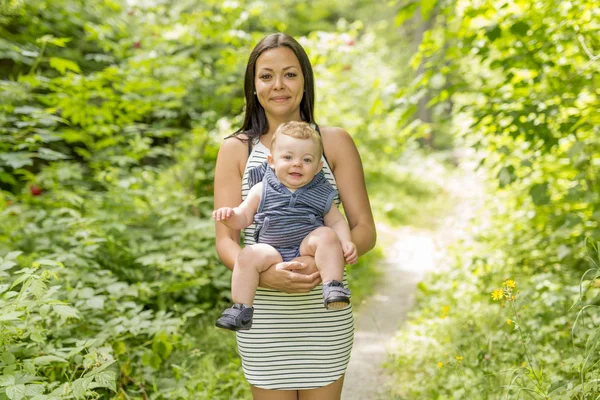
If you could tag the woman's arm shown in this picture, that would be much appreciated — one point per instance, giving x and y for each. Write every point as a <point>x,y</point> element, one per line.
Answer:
<point>228,193</point>
<point>346,166</point>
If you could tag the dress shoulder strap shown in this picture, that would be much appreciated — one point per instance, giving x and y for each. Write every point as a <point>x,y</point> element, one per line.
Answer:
<point>316,128</point>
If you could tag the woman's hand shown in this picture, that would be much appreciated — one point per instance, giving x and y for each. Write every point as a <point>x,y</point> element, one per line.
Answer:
<point>297,276</point>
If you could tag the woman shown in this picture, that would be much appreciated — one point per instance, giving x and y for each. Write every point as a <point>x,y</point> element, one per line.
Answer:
<point>291,353</point>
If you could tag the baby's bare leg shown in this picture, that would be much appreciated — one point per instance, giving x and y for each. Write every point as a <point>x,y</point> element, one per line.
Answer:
<point>250,262</point>
<point>323,243</point>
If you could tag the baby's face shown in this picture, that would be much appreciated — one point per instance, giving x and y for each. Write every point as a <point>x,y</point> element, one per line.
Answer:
<point>296,161</point>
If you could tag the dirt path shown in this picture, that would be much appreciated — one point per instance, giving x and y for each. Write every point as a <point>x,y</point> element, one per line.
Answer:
<point>410,256</point>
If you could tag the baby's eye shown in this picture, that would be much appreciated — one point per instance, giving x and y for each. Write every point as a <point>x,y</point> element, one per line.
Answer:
<point>308,160</point>
<point>287,157</point>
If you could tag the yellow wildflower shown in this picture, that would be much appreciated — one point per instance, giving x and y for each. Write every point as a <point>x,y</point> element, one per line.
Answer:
<point>459,358</point>
<point>510,283</point>
<point>497,294</point>
<point>445,310</point>
<point>509,321</point>
<point>440,365</point>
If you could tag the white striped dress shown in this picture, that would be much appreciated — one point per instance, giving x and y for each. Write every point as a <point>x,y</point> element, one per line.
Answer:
<point>294,343</point>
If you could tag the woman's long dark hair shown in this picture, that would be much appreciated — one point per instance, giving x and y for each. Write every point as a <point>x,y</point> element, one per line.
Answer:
<point>255,120</point>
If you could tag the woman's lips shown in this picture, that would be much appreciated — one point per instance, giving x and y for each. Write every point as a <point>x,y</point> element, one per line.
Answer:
<point>279,99</point>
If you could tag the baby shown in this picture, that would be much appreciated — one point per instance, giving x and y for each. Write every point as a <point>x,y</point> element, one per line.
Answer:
<point>291,202</point>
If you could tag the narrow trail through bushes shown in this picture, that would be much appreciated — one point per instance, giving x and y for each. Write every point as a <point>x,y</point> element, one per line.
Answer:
<point>410,255</point>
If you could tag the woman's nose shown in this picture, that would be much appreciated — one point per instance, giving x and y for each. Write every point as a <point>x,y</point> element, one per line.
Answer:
<point>278,82</point>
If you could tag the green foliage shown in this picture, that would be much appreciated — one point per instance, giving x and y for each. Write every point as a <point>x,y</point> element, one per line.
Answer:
<point>522,80</point>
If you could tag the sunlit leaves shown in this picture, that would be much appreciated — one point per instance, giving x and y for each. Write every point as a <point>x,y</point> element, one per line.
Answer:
<point>50,39</point>
<point>406,12</point>
<point>62,65</point>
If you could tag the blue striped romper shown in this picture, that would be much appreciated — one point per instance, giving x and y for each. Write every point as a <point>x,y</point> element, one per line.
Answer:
<point>285,218</point>
<point>294,343</point>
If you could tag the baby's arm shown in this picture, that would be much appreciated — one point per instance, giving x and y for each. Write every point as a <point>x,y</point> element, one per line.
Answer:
<point>241,216</point>
<point>336,221</point>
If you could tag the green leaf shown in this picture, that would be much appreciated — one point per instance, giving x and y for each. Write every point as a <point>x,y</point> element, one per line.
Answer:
<point>506,176</point>
<point>33,390</point>
<point>99,369</point>
<point>106,379</point>
<point>376,107</point>
<point>11,316</point>
<point>17,159</point>
<point>16,392</point>
<point>26,110</point>
<point>8,358</point>
<point>37,288</point>
<point>520,28</point>
<point>7,178</point>
<point>50,263</point>
<point>60,42</point>
<point>7,380</point>
<point>37,337</point>
<point>62,65</point>
<point>66,311</point>
<point>427,7</point>
<point>96,302</point>
<point>162,345</point>
<point>539,194</point>
<point>51,155</point>
<point>81,386</point>
<point>494,33</point>
<point>21,279</point>
<point>7,265</point>
<point>406,13</point>
<point>45,360</point>
<point>13,255</point>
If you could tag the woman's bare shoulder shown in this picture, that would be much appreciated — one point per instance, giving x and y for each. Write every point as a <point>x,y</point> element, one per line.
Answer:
<point>235,144</point>
<point>334,131</point>
<point>235,149</point>
<point>337,143</point>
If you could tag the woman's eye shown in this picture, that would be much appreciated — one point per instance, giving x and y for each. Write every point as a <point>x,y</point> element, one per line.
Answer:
<point>265,76</point>
<point>291,74</point>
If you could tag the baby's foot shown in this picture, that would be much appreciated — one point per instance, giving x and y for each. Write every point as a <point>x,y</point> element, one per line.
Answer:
<point>235,318</point>
<point>335,296</point>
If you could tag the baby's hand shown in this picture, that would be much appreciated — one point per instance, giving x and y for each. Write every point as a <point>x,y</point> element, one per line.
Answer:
<point>222,214</point>
<point>350,252</point>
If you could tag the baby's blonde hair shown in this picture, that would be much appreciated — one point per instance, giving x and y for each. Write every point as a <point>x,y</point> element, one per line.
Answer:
<point>298,130</point>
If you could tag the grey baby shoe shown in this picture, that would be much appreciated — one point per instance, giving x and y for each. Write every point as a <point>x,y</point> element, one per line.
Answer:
<point>335,296</point>
<point>235,318</point>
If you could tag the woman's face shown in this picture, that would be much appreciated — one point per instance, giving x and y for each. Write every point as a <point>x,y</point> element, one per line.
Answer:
<point>279,83</point>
